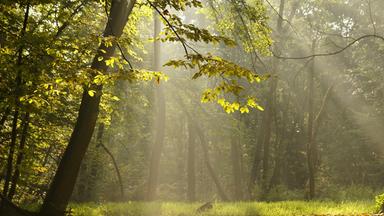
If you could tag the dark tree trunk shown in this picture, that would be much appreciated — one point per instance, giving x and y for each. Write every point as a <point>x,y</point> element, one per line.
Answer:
<point>4,117</point>
<point>7,208</point>
<point>17,105</point>
<point>20,155</point>
<point>11,152</point>
<point>191,176</point>
<point>280,147</point>
<point>159,121</point>
<point>63,183</point>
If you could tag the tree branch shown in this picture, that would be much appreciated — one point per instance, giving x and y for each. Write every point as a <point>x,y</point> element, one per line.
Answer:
<point>331,53</point>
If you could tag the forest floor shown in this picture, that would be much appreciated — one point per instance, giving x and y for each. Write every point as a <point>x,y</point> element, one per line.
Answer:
<point>286,208</point>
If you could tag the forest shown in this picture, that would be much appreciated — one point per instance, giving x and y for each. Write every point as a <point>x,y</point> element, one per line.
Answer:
<point>191,107</point>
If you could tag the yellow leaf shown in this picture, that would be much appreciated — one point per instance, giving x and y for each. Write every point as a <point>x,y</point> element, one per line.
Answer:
<point>259,107</point>
<point>251,102</point>
<point>236,106</point>
<point>244,109</point>
<point>221,101</point>
<point>91,93</point>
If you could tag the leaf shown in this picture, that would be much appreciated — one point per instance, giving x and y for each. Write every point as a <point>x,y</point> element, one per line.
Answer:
<point>221,101</point>
<point>251,102</point>
<point>236,106</point>
<point>91,93</point>
<point>115,98</point>
<point>244,109</point>
<point>110,62</point>
<point>259,107</point>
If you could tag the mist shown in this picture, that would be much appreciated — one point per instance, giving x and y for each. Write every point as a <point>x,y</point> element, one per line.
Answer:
<point>191,107</point>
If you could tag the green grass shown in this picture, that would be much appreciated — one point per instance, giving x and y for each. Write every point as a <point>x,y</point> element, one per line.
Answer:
<point>287,208</point>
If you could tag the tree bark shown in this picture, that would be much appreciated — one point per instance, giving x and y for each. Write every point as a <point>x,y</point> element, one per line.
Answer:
<point>64,180</point>
<point>159,120</point>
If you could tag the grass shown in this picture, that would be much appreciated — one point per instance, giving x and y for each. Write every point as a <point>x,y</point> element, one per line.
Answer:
<point>286,208</point>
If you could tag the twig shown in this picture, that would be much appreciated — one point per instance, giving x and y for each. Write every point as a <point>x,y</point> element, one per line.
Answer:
<point>123,55</point>
<point>171,27</point>
<point>371,17</point>
<point>281,17</point>
<point>331,53</point>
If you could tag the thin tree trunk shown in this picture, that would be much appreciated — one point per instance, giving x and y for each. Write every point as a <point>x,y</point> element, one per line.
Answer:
<point>20,156</point>
<point>313,127</point>
<point>159,120</point>
<point>267,134</point>
<point>256,161</point>
<point>191,175</point>
<point>100,143</point>
<point>280,148</point>
<point>17,106</point>
<point>204,147</point>
<point>64,180</point>
<point>310,143</point>
<point>235,156</point>
<point>211,171</point>
<point>270,106</point>
<point>11,152</point>
<point>4,117</point>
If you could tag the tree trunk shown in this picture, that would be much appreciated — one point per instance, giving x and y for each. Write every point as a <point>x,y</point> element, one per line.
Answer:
<point>236,168</point>
<point>64,180</point>
<point>191,176</point>
<point>20,156</point>
<point>211,171</point>
<point>7,208</point>
<point>4,117</point>
<point>11,152</point>
<point>100,143</point>
<point>310,143</point>
<point>203,143</point>
<point>280,146</point>
<point>267,134</point>
<point>256,161</point>
<point>17,105</point>
<point>159,120</point>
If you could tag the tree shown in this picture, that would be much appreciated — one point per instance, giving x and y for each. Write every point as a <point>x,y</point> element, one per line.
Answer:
<point>63,183</point>
<point>159,122</point>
